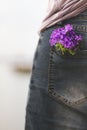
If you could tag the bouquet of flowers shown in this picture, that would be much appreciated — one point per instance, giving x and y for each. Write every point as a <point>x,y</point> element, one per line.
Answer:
<point>65,39</point>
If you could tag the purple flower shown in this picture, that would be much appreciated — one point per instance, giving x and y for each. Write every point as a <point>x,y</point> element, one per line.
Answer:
<point>65,36</point>
<point>68,27</point>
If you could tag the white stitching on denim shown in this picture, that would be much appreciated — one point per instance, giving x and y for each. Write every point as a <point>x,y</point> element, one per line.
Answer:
<point>51,89</point>
<point>81,27</point>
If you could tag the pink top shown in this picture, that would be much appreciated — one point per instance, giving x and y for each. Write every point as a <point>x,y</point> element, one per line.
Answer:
<point>59,10</point>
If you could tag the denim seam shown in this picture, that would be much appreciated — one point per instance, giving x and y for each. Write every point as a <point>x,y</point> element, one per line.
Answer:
<point>82,17</point>
<point>81,27</point>
<point>51,89</point>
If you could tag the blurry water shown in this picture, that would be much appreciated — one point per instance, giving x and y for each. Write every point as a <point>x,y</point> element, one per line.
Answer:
<point>13,97</point>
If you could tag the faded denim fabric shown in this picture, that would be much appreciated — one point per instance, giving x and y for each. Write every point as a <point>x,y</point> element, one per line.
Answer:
<point>57,97</point>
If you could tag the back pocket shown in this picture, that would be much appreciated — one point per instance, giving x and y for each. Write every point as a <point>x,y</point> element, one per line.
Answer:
<point>67,77</point>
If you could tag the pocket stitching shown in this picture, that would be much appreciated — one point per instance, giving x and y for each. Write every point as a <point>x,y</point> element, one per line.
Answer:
<point>51,89</point>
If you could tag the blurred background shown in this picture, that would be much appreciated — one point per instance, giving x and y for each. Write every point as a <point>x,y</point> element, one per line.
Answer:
<point>19,23</point>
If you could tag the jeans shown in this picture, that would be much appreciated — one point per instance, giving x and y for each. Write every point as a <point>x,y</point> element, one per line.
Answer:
<point>57,98</point>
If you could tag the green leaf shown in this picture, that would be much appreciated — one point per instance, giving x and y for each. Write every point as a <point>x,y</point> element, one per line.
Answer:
<point>72,52</point>
<point>63,50</point>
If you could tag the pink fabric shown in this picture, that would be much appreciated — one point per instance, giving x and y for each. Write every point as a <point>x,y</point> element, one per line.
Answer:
<point>59,10</point>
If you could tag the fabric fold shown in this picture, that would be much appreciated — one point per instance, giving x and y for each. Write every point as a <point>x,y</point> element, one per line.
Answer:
<point>59,10</point>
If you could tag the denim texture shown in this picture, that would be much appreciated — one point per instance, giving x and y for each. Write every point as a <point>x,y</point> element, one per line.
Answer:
<point>57,98</point>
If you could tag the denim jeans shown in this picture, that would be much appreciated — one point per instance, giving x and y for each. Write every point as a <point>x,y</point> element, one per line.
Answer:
<point>57,97</point>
